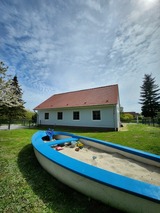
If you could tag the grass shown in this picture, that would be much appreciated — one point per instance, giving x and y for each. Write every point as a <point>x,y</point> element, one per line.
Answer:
<point>26,187</point>
<point>143,137</point>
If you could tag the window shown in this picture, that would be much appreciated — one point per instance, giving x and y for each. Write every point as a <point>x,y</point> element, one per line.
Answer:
<point>76,115</point>
<point>46,115</point>
<point>96,115</point>
<point>60,115</point>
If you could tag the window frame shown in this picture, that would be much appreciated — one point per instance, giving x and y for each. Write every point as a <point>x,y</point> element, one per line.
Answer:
<point>46,115</point>
<point>76,115</point>
<point>59,115</point>
<point>96,115</point>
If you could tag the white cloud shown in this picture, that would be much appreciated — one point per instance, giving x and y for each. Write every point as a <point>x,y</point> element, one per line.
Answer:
<point>63,46</point>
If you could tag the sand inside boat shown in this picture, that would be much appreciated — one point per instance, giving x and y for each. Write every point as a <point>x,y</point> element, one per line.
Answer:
<point>116,163</point>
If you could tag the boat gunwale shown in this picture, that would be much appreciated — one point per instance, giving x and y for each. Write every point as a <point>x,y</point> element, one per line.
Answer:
<point>126,184</point>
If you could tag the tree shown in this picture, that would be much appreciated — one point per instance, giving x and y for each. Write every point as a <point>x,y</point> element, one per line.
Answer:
<point>149,97</point>
<point>7,97</point>
<point>126,117</point>
<point>4,84</point>
<point>34,118</point>
<point>11,102</point>
<point>29,114</point>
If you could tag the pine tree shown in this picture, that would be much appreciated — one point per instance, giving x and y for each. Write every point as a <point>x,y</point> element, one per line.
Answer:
<point>149,97</point>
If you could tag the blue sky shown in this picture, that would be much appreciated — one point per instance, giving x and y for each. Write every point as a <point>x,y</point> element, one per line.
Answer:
<point>66,45</point>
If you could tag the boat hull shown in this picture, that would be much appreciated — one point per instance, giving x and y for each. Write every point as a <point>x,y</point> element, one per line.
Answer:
<point>96,183</point>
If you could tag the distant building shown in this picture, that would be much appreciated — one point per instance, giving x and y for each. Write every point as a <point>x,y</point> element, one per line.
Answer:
<point>95,107</point>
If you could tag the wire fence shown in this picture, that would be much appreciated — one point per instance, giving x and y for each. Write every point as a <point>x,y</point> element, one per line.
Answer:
<point>22,122</point>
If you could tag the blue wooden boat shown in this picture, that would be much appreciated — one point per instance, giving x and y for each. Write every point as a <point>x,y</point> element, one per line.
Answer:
<point>122,192</point>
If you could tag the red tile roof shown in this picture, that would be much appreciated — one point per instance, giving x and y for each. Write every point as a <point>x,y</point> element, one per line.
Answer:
<point>90,97</point>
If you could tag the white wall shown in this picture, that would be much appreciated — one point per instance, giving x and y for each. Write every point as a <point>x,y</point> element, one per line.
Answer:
<point>117,116</point>
<point>108,116</point>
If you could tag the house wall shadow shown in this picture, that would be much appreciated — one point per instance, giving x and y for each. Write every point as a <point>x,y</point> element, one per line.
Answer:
<point>56,195</point>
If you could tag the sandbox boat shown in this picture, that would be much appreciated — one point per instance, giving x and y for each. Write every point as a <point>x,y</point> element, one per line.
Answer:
<point>59,154</point>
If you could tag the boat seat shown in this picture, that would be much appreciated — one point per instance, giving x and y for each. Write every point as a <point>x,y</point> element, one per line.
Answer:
<point>61,141</point>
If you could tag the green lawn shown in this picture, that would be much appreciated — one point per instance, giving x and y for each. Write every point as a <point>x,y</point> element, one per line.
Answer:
<point>143,137</point>
<point>26,187</point>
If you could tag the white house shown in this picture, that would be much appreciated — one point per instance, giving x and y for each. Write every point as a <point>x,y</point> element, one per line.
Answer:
<point>95,107</point>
